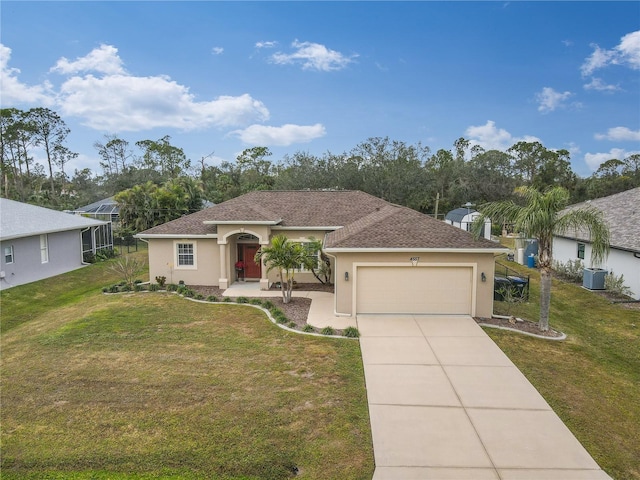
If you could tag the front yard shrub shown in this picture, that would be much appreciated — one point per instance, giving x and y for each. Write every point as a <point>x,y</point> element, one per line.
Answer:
<point>572,270</point>
<point>161,280</point>
<point>327,331</point>
<point>199,296</point>
<point>212,298</point>
<point>242,300</point>
<point>615,284</point>
<point>138,287</point>
<point>114,288</point>
<point>172,287</point>
<point>154,287</point>
<point>308,328</point>
<point>268,304</point>
<point>226,299</point>
<point>255,301</point>
<point>292,324</point>
<point>351,332</point>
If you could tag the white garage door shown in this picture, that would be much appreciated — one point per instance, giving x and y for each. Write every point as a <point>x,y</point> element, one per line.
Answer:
<point>418,290</point>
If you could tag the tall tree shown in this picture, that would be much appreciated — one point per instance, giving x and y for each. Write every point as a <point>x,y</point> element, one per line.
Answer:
<point>50,132</point>
<point>160,155</point>
<point>540,217</point>
<point>114,155</point>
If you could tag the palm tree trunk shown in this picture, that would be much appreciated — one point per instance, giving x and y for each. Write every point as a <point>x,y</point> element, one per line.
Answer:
<point>545,298</point>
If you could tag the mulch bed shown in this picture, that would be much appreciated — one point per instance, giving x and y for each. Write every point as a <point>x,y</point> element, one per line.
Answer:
<point>524,326</point>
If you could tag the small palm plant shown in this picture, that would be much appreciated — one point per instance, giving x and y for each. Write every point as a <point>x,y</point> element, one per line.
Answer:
<point>286,257</point>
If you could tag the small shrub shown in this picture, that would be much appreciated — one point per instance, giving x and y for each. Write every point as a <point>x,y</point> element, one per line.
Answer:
<point>128,268</point>
<point>199,296</point>
<point>268,304</point>
<point>154,287</point>
<point>138,287</point>
<point>136,281</point>
<point>212,298</point>
<point>255,301</point>
<point>114,289</point>
<point>572,270</point>
<point>161,280</point>
<point>616,285</point>
<point>351,332</point>
<point>189,293</point>
<point>182,290</point>
<point>281,319</point>
<point>292,324</point>
<point>172,287</point>
<point>126,288</point>
<point>105,289</point>
<point>242,300</point>
<point>308,328</point>
<point>327,331</point>
<point>226,299</point>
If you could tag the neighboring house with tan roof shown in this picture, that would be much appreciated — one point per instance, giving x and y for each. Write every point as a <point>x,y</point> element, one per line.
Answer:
<point>385,258</point>
<point>621,212</point>
<point>38,242</point>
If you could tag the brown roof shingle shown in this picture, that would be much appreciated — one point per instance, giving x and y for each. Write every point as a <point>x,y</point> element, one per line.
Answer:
<point>367,221</point>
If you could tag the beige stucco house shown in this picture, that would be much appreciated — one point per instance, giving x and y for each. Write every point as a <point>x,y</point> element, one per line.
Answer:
<point>385,258</point>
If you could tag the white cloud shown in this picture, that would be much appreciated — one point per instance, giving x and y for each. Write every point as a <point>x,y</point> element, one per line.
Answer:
<point>489,137</point>
<point>266,44</point>
<point>313,56</point>
<point>627,53</point>
<point>549,99</point>
<point>594,160</point>
<point>282,136</point>
<point>217,51</point>
<point>619,134</point>
<point>599,85</point>
<point>14,92</point>
<point>103,59</point>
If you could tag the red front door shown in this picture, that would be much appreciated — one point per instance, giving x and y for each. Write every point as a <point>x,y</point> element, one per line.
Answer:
<point>247,254</point>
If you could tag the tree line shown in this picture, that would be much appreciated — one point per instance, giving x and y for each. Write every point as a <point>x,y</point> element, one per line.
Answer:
<point>155,181</point>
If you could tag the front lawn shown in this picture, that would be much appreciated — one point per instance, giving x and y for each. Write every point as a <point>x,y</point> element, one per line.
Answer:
<point>150,386</point>
<point>592,380</point>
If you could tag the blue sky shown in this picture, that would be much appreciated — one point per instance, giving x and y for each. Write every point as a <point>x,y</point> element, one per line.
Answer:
<point>324,76</point>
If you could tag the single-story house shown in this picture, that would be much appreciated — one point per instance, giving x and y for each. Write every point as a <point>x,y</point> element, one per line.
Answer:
<point>385,258</point>
<point>106,209</point>
<point>622,214</point>
<point>38,243</point>
<point>463,218</point>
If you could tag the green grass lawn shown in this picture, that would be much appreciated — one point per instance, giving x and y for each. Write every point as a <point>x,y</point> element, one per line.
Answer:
<point>592,380</point>
<point>150,385</point>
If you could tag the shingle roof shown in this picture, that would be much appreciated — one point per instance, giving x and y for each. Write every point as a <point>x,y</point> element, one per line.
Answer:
<point>19,220</point>
<point>621,212</point>
<point>368,221</point>
<point>400,227</point>
<point>458,214</point>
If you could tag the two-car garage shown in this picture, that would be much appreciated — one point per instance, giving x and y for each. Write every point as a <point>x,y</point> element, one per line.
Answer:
<point>421,289</point>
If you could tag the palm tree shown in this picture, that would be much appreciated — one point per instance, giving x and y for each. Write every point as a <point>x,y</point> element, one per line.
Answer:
<point>539,217</point>
<point>286,256</point>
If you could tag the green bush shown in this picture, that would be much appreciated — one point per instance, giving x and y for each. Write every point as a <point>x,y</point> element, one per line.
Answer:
<point>255,301</point>
<point>154,287</point>
<point>105,289</point>
<point>114,288</point>
<point>308,328</point>
<point>242,300</point>
<point>212,298</point>
<point>199,296</point>
<point>268,304</point>
<point>292,324</point>
<point>138,287</point>
<point>571,271</point>
<point>616,285</point>
<point>161,280</point>
<point>226,299</point>
<point>182,290</point>
<point>327,331</point>
<point>351,332</point>
<point>172,287</point>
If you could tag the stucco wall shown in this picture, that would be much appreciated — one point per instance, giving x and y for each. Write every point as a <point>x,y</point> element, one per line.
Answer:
<point>162,261</point>
<point>65,254</point>
<point>620,262</point>
<point>347,262</point>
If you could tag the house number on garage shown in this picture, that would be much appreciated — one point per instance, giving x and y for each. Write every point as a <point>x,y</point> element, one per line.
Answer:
<point>414,260</point>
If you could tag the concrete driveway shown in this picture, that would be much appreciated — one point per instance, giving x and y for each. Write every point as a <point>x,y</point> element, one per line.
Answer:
<point>446,403</point>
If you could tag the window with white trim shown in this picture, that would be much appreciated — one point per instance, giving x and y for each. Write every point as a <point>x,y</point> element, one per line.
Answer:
<point>185,255</point>
<point>44,249</point>
<point>310,253</point>
<point>8,254</point>
<point>581,250</point>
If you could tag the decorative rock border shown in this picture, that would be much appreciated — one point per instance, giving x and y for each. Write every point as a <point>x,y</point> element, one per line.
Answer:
<point>562,337</point>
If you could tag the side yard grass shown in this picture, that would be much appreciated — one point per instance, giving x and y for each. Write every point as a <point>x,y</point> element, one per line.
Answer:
<point>592,380</point>
<point>153,386</point>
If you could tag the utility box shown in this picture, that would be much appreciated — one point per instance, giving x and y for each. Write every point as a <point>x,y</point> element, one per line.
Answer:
<point>593,278</point>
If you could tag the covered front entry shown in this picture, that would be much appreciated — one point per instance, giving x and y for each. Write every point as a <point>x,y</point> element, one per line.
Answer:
<point>443,290</point>
<point>246,254</point>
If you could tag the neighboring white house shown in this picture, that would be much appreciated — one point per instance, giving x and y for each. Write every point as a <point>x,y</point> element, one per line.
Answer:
<point>622,214</point>
<point>464,216</point>
<point>38,243</point>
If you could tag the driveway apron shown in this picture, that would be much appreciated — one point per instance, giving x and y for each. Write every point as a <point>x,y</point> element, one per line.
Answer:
<point>446,403</point>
